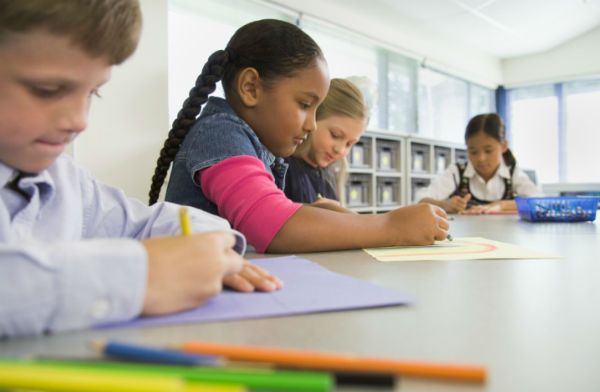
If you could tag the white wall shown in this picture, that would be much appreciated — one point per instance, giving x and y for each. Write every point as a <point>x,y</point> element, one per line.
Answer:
<point>442,53</point>
<point>577,58</point>
<point>130,122</point>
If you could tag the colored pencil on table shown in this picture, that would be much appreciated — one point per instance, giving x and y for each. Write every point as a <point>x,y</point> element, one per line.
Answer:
<point>252,378</point>
<point>138,353</point>
<point>337,362</point>
<point>30,376</point>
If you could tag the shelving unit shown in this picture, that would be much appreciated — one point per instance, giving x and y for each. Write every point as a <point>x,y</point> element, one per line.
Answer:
<point>387,169</point>
<point>429,158</point>
<point>376,178</point>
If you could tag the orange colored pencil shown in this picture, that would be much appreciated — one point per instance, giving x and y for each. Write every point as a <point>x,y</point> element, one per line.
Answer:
<point>336,362</point>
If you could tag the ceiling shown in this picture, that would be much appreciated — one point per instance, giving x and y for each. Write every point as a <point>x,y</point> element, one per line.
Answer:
<point>502,28</point>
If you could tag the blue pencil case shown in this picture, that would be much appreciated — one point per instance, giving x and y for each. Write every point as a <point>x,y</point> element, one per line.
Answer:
<point>557,209</point>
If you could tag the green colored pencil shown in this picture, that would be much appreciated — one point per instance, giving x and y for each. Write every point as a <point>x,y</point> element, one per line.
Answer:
<point>253,379</point>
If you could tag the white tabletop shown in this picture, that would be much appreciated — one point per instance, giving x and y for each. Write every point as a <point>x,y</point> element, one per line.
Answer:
<point>534,324</point>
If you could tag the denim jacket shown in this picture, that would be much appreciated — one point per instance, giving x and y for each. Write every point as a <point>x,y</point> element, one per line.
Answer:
<point>218,134</point>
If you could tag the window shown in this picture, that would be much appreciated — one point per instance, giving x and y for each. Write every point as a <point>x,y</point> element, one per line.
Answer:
<point>481,100</point>
<point>582,100</point>
<point>401,93</point>
<point>554,129</point>
<point>534,131</point>
<point>443,106</point>
<point>198,28</point>
<point>402,97</point>
<point>349,56</point>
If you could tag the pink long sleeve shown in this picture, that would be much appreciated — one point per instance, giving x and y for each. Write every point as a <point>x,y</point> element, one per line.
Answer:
<point>247,197</point>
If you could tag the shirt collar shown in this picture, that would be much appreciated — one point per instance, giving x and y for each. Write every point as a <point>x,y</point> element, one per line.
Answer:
<point>7,174</point>
<point>219,105</point>
<point>501,172</point>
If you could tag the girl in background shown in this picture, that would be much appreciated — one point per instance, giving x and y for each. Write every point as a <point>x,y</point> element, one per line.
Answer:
<point>489,181</point>
<point>228,161</point>
<point>341,120</point>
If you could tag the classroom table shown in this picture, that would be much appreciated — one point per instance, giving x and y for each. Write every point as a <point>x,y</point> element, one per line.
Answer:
<point>534,324</point>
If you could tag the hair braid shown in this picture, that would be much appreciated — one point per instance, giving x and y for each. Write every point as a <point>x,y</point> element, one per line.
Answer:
<point>206,83</point>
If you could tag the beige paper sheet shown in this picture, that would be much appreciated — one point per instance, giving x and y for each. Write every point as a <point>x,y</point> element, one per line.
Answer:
<point>466,248</point>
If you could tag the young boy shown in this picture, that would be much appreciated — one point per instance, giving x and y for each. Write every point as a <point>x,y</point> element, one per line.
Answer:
<point>75,252</point>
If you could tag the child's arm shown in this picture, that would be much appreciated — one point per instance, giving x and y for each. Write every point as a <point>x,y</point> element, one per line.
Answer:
<point>497,206</point>
<point>331,205</point>
<point>246,195</point>
<point>439,192</point>
<point>313,229</point>
<point>63,285</point>
<point>454,204</point>
<point>139,221</point>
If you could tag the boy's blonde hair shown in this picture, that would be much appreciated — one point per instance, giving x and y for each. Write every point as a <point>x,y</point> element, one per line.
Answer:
<point>343,99</point>
<point>108,28</point>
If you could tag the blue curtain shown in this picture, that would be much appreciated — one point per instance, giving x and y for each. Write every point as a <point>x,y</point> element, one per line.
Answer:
<point>503,108</point>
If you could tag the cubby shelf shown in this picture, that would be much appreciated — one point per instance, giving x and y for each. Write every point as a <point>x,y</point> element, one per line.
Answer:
<point>387,169</point>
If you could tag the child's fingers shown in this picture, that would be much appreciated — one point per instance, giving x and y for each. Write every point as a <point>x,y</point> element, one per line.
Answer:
<point>266,275</point>
<point>477,210</point>
<point>238,283</point>
<point>441,234</point>
<point>251,278</point>
<point>439,212</point>
<point>467,197</point>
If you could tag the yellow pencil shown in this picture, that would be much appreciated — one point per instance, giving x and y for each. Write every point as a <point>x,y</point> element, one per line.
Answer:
<point>184,221</point>
<point>32,377</point>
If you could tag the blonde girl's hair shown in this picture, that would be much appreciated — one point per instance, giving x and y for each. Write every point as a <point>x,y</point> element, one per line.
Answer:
<point>343,99</point>
<point>108,28</point>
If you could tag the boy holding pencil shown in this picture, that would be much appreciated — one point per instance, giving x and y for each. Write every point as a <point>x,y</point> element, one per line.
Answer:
<point>75,252</point>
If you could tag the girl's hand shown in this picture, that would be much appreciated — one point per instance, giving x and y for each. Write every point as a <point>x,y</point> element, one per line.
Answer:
<point>251,278</point>
<point>185,271</point>
<point>418,224</point>
<point>456,204</point>
<point>497,206</point>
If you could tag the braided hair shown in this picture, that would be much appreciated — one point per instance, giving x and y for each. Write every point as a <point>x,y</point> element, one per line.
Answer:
<point>274,48</point>
<point>493,126</point>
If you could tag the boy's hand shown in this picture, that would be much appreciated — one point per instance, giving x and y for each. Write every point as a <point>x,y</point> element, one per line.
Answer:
<point>418,224</point>
<point>252,277</point>
<point>456,204</point>
<point>183,272</point>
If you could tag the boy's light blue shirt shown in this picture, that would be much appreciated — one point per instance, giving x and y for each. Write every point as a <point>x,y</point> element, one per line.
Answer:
<point>69,255</point>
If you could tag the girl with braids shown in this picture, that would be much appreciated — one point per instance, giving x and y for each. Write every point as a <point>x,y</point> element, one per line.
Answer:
<point>341,120</point>
<point>489,181</point>
<point>75,252</point>
<point>229,160</point>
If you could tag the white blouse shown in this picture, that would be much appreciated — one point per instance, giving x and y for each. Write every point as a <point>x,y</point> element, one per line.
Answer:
<point>443,187</point>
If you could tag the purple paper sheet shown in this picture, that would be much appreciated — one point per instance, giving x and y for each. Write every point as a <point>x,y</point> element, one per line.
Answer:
<point>308,288</point>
